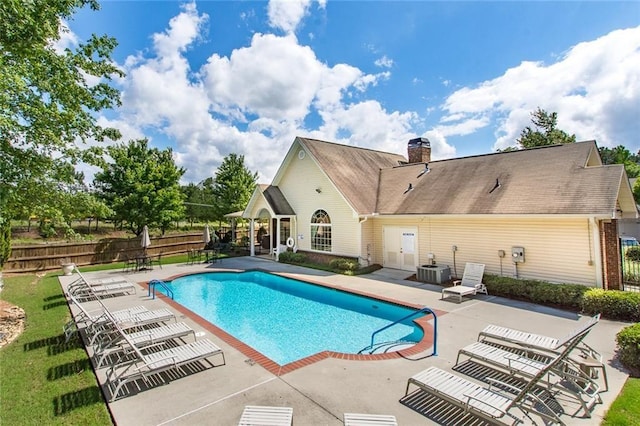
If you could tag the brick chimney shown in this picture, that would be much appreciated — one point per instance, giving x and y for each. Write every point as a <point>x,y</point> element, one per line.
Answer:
<point>419,150</point>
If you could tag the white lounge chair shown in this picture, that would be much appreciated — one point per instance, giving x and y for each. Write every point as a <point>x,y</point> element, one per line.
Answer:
<point>95,289</point>
<point>564,375</point>
<point>96,325</point>
<point>538,341</point>
<point>112,344</point>
<point>470,284</point>
<point>588,358</point>
<point>145,365</point>
<point>356,419</point>
<point>257,415</point>
<point>487,403</point>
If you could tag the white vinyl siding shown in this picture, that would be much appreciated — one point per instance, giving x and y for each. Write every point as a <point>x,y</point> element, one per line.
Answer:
<point>556,249</point>
<point>298,183</point>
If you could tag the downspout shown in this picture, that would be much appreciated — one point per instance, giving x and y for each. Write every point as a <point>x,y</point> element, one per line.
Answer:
<point>360,222</point>
<point>597,247</point>
<point>252,244</point>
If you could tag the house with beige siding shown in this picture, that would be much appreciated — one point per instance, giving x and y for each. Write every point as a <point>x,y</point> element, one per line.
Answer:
<point>547,213</point>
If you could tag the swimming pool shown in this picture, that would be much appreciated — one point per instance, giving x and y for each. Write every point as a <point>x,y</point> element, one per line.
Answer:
<point>286,319</point>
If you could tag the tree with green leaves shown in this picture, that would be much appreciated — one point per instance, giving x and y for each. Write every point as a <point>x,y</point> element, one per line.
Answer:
<point>545,131</point>
<point>141,185</point>
<point>49,98</point>
<point>233,185</point>
<point>200,203</point>
<point>621,155</point>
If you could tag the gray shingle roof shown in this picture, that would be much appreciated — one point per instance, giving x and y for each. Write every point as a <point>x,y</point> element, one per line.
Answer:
<point>546,180</point>
<point>277,200</point>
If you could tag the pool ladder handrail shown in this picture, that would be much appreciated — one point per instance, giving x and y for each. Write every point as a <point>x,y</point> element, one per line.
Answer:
<point>424,310</point>
<point>152,286</point>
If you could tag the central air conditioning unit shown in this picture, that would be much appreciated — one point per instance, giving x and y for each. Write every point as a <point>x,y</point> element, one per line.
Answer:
<point>433,274</point>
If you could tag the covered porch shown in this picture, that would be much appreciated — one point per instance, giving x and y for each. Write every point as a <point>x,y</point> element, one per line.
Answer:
<point>271,220</point>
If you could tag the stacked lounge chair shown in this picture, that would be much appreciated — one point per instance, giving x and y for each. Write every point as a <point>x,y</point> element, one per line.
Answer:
<point>144,365</point>
<point>499,401</point>
<point>587,357</point>
<point>113,344</point>
<point>566,376</point>
<point>136,343</point>
<point>99,324</point>
<point>84,289</point>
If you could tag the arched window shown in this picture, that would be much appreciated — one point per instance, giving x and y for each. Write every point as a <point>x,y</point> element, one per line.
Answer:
<point>321,231</point>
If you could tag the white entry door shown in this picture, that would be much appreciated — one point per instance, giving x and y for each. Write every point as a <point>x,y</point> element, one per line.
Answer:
<point>400,247</point>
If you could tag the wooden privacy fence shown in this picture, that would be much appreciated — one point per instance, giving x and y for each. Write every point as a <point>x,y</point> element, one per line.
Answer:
<point>40,257</point>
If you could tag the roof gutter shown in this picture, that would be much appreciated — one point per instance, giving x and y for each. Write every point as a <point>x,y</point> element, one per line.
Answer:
<point>364,218</point>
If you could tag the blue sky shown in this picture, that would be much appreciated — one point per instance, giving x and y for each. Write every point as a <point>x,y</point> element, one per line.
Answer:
<point>210,78</point>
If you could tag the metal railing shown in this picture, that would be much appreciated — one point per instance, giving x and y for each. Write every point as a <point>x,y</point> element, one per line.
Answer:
<point>421,311</point>
<point>152,288</point>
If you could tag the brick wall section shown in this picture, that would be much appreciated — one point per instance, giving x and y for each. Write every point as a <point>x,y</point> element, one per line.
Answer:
<point>612,268</point>
<point>419,154</point>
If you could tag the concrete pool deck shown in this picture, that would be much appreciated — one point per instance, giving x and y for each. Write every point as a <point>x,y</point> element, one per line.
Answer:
<point>322,391</point>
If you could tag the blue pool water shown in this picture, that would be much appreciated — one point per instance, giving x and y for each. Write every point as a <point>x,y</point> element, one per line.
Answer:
<point>286,319</point>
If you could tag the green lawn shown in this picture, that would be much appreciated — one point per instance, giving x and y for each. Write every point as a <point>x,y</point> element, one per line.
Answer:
<point>45,381</point>
<point>625,410</point>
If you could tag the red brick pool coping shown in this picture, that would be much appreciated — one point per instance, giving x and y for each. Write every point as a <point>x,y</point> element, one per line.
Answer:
<point>279,370</point>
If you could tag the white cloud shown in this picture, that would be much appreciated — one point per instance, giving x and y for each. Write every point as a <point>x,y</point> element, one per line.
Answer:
<point>384,62</point>
<point>287,14</point>
<point>253,102</point>
<point>367,124</point>
<point>67,38</point>
<point>440,149</point>
<point>273,77</point>
<point>594,87</point>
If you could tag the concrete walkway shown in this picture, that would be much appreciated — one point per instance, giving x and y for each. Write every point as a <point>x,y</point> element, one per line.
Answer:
<point>321,392</point>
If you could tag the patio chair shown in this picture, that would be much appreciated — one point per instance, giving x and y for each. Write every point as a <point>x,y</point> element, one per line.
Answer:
<point>96,325</point>
<point>356,419</point>
<point>83,288</point>
<point>563,376</point>
<point>157,260</point>
<point>112,344</point>
<point>470,284</point>
<point>143,366</point>
<point>588,359</point>
<point>194,256</point>
<point>130,263</point>
<point>485,402</point>
<point>256,415</point>
<point>538,341</point>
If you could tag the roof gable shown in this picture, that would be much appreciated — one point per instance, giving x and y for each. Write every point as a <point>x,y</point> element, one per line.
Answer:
<point>354,171</point>
<point>269,197</point>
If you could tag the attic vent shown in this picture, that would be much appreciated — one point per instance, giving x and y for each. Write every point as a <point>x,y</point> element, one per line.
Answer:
<point>496,186</point>
<point>301,154</point>
<point>424,171</point>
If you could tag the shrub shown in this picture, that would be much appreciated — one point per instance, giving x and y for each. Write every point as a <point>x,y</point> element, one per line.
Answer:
<point>612,304</point>
<point>628,340</point>
<point>5,240</point>
<point>291,257</point>
<point>341,264</point>
<point>566,295</point>
<point>633,253</point>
